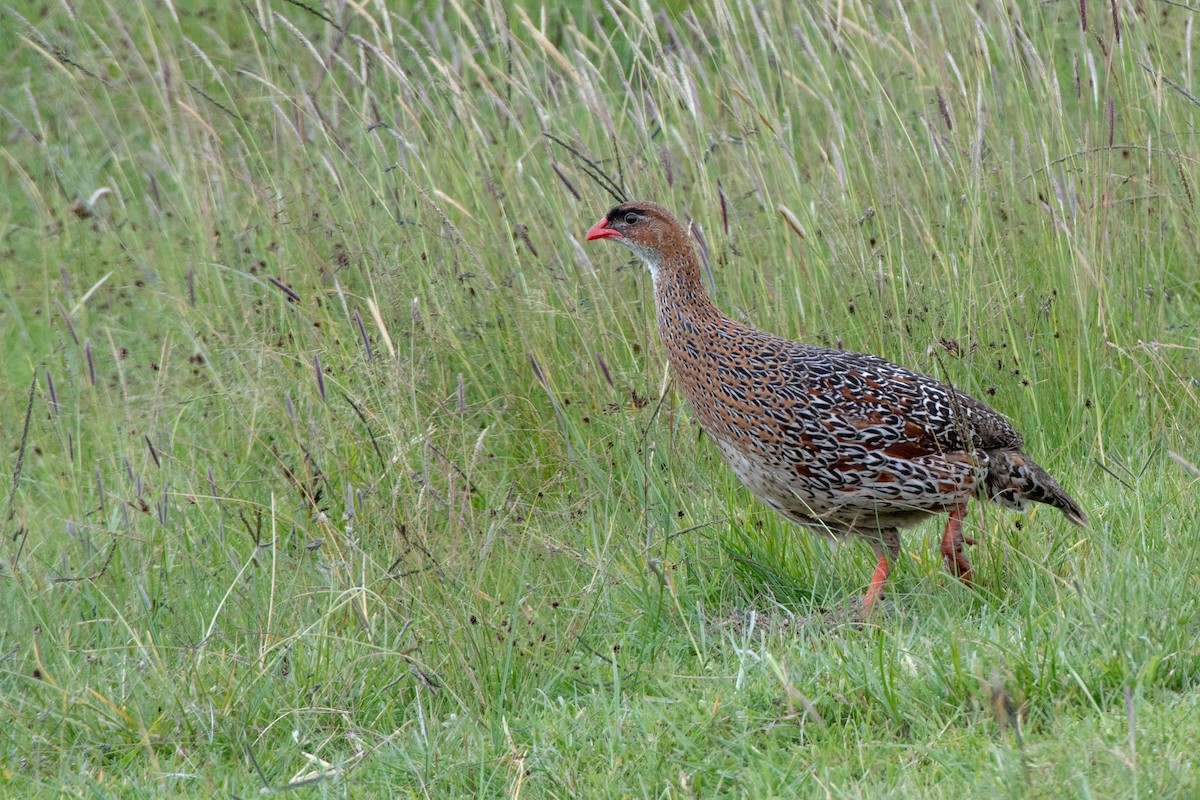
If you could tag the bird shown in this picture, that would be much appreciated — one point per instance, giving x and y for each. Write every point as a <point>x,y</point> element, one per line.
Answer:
<point>843,443</point>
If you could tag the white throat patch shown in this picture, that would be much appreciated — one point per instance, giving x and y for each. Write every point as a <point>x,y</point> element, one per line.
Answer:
<point>650,256</point>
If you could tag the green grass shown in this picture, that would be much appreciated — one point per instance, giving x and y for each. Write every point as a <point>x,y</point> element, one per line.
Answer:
<point>345,461</point>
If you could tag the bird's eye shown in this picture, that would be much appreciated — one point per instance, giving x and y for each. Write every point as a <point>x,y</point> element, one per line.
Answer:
<point>631,217</point>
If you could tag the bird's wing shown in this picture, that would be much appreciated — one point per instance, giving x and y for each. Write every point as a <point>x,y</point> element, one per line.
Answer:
<point>901,412</point>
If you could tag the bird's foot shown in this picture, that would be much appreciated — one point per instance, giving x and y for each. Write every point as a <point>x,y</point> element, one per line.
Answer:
<point>870,602</point>
<point>957,564</point>
<point>952,546</point>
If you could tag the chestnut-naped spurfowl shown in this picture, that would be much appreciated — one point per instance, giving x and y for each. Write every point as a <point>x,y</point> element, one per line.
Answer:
<point>840,442</point>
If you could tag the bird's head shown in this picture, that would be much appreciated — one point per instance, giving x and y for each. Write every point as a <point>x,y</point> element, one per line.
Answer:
<point>646,228</point>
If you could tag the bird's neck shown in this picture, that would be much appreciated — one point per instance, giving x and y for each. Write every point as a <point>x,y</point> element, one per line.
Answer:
<point>681,299</point>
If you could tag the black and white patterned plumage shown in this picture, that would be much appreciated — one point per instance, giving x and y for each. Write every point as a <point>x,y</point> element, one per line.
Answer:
<point>838,441</point>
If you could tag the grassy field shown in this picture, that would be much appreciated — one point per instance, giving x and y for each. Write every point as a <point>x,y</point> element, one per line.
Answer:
<point>334,460</point>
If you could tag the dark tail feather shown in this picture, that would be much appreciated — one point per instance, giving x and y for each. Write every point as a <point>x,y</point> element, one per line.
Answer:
<point>1013,479</point>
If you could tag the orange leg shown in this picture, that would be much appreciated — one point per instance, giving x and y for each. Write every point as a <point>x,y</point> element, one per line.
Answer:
<point>875,590</point>
<point>952,545</point>
<point>886,545</point>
